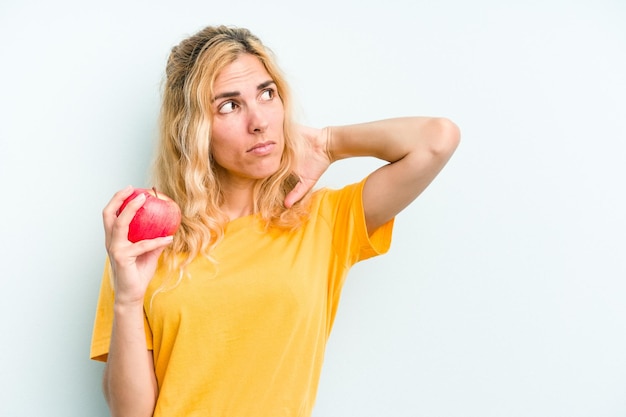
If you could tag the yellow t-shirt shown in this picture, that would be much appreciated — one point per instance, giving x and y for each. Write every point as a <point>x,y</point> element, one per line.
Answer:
<point>246,336</point>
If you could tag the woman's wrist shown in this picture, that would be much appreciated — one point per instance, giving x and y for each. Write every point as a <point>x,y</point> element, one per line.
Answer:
<point>127,306</point>
<point>327,139</point>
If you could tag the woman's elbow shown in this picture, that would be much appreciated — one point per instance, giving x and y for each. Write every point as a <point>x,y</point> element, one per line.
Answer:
<point>445,137</point>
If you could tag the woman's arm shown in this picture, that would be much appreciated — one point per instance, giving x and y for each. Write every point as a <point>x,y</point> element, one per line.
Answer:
<point>417,148</point>
<point>129,383</point>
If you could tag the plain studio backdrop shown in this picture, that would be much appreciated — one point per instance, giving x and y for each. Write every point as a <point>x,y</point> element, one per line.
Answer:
<point>504,293</point>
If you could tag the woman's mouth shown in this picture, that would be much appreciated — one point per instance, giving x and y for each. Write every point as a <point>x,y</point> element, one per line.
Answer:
<point>262,148</point>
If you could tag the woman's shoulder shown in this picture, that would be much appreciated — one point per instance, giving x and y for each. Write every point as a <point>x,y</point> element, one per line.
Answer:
<point>336,191</point>
<point>334,196</point>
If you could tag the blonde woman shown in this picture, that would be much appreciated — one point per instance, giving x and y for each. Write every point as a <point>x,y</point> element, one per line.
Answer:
<point>230,316</point>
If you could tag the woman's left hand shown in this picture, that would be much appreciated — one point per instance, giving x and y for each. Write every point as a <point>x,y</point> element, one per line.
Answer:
<point>313,165</point>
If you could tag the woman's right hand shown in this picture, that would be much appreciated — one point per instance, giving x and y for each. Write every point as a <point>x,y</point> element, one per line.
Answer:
<point>133,264</point>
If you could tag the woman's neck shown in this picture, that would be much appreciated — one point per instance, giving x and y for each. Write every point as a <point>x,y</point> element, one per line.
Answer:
<point>238,201</point>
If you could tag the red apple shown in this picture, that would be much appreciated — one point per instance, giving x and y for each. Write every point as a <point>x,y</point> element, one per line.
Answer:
<point>159,216</point>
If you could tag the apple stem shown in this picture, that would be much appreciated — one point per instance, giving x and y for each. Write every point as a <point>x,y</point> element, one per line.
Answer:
<point>155,192</point>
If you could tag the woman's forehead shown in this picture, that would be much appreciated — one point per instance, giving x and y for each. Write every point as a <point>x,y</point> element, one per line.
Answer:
<point>244,69</point>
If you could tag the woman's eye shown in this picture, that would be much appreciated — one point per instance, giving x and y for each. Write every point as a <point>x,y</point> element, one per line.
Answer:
<point>267,94</point>
<point>227,107</point>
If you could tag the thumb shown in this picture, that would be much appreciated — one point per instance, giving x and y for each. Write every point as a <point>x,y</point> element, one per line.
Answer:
<point>296,194</point>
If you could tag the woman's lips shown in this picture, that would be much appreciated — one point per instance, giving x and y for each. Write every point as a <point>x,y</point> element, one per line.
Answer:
<point>262,148</point>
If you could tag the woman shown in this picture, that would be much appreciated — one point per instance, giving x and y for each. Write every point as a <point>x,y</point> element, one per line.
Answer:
<point>230,316</point>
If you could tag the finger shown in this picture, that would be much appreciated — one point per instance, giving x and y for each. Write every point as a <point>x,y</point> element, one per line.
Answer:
<point>131,208</point>
<point>119,227</point>
<point>123,253</point>
<point>115,225</point>
<point>148,245</point>
<point>108,213</point>
<point>295,194</point>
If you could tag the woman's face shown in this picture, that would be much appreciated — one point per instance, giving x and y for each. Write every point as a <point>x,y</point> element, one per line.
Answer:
<point>247,131</point>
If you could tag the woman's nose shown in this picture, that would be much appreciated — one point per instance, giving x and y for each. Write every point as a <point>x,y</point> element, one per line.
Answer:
<point>257,120</point>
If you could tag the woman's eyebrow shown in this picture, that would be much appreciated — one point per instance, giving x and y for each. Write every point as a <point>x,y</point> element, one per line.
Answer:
<point>227,94</point>
<point>230,94</point>
<point>265,84</point>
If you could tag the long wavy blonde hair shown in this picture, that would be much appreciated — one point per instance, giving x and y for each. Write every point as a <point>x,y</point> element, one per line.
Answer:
<point>183,166</point>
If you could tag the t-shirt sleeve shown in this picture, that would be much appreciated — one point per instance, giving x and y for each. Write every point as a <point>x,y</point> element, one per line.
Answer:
<point>103,323</point>
<point>344,210</point>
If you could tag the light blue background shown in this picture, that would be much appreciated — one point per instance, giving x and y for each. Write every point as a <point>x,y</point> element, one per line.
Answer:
<point>504,292</point>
